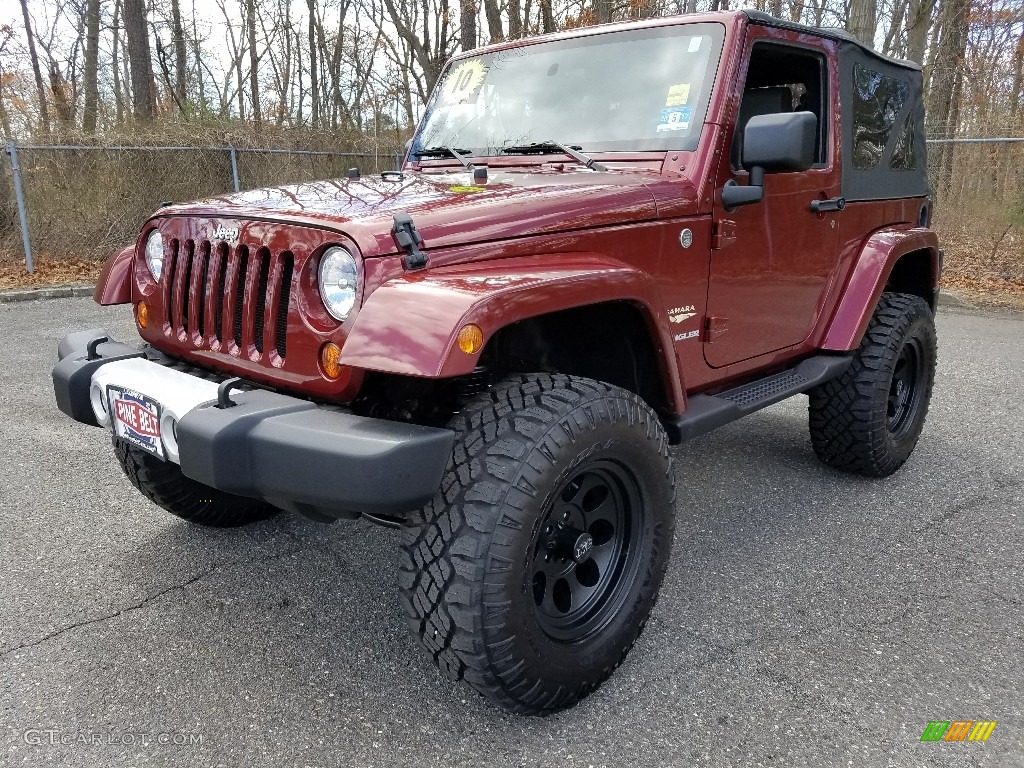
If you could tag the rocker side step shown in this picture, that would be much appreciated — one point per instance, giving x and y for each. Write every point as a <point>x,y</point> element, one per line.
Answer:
<point>707,412</point>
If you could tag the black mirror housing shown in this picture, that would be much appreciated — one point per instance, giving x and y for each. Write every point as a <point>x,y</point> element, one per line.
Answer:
<point>780,142</point>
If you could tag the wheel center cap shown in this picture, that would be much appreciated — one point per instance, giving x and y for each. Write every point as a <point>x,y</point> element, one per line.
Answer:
<point>581,549</point>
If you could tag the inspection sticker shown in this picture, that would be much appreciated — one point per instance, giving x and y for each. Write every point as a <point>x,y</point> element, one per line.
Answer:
<point>674,119</point>
<point>677,95</point>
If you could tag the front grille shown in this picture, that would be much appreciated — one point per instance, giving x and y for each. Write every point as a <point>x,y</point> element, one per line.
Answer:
<point>216,293</point>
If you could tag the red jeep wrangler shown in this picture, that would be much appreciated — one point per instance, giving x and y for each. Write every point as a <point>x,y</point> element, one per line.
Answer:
<point>602,243</point>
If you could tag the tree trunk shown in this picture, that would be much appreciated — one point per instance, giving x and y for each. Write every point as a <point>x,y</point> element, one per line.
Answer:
<point>603,11</point>
<point>139,59</point>
<point>863,20</point>
<point>92,43</point>
<point>115,64</point>
<point>941,108</point>
<point>1018,79</point>
<point>467,23</point>
<point>515,20</point>
<point>180,61</point>
<point>892,35</point>
<point>919,22</point>
<point>547,17</point>
<point>254,79</point>
<point>5,118</point>
<point>44,112</point>
<point>493,14</point>
<point>314,76</point>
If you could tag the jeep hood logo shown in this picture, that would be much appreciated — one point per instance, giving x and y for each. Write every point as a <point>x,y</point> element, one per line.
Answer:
<point>229,234</point>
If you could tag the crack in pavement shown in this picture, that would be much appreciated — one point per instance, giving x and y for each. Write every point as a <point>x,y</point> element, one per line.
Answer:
<point>141,604</point>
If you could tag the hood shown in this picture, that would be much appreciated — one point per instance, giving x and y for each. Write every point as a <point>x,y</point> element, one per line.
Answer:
<point>448,208</point>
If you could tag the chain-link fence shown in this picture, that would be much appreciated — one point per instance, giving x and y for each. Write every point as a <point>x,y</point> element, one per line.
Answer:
<point>87,201</point>
<point>62,200</point>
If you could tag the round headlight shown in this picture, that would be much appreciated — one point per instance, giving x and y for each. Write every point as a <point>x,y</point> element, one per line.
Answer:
<point>338,281</point>
<point>155,253</point>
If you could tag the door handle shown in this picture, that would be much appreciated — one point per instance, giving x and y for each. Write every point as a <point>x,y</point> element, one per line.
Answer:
<point>832,204</point>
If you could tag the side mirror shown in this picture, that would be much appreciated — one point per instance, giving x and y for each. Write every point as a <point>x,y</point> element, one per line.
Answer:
<point>772,143</point>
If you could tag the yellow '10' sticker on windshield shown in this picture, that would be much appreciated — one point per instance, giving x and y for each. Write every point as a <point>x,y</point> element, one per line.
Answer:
<point>463,81</point>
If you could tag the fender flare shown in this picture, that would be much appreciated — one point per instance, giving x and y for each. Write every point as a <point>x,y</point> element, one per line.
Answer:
<point>867,280</point>
<point>114,285</point>
<point>409,325</point>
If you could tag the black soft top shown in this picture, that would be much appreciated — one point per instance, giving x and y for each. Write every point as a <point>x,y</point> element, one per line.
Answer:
<point>884,148</point>
<point>767,20</point>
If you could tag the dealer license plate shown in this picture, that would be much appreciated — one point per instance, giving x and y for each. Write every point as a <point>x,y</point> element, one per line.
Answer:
<point>136,419</point>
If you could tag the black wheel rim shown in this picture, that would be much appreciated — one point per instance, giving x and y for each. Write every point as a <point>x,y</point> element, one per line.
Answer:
<point>904,389</point>
<point>584,550</point>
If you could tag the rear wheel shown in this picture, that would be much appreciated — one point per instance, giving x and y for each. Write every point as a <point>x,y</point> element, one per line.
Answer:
<point>869,419</point>
<point>534,570</point>
<point>163,483</point>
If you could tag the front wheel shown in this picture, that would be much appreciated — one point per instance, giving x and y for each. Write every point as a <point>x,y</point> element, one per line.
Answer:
<point>869,420</point>
<point>163,483</point>
<point>533,571</point>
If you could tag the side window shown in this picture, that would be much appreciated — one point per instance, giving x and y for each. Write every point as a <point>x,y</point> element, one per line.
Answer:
<point>782,78</point>
<point>878,101</point>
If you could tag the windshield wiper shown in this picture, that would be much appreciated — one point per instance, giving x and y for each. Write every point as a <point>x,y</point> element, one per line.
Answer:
<point>541,147</point>
<point>443,150</point>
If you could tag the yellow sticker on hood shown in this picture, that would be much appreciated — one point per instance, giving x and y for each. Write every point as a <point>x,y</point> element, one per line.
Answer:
<point>465,189</point>
<point>678,95</point>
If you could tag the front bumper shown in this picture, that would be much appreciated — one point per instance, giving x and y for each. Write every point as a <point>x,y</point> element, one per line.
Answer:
<point>318,460</point>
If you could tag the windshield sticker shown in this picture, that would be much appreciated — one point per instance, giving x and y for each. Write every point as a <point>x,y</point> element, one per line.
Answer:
<point>677,94</point>
<point>674,119</point>
<point>463,81</point>
<point>694,45</point>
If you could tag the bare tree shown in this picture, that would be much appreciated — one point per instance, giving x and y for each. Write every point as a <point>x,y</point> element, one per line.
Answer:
<point>180,58</point>
<point>862,21</point>
<point>467,22</point>
<point>254,61</point>
<point>139,59</point>
<point>943,100</point>
<point>90,72</point>
<point>44,113</point>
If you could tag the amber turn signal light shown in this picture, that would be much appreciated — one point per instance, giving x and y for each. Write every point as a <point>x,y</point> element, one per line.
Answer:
<point>330,360</point>
<point>470,338</point>
<point>142,314</point>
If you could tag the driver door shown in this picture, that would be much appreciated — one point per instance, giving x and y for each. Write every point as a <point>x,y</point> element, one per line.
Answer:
<point>772,262</point>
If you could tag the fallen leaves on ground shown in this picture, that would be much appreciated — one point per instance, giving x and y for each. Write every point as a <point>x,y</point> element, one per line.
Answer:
<point>48,272</point>
<point>986,290</point>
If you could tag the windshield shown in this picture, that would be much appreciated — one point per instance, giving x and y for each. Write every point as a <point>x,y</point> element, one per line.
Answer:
<point>645,89</point>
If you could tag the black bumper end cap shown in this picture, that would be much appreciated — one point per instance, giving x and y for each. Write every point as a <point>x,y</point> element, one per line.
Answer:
<point>72,376</point>
<point>276,447</point>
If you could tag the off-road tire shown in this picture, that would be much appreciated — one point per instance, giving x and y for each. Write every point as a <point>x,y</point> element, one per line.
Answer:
<point>468,575</point>
<point>163,483</point>
<point>856,421</point>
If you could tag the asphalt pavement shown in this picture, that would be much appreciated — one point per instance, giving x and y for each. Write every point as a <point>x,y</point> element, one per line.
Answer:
<point>808,618</point>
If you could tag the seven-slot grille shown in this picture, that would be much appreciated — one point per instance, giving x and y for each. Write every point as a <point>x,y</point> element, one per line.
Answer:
<point>226,297</point>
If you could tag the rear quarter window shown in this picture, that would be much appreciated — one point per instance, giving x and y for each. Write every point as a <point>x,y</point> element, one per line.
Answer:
<point>878,101</point>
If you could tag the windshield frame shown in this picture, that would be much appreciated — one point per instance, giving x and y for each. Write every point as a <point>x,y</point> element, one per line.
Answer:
<point>719,32</point>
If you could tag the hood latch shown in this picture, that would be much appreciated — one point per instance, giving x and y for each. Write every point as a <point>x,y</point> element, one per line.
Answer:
<point>409,240</point>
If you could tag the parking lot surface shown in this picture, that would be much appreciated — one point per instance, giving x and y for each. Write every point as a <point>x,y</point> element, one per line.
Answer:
<point>808,618</point>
